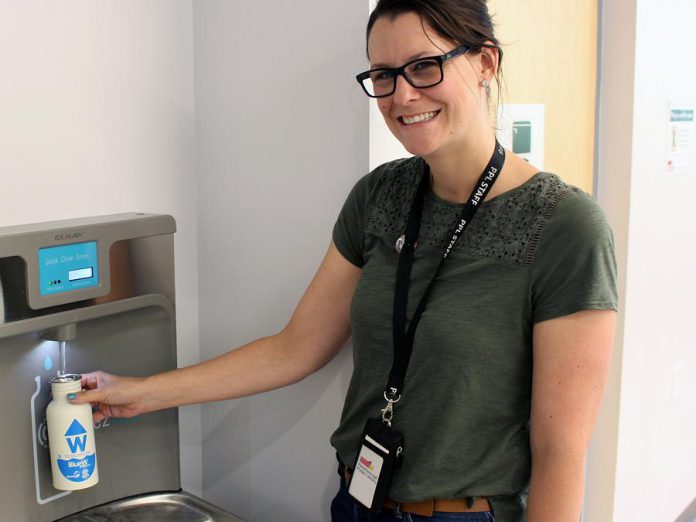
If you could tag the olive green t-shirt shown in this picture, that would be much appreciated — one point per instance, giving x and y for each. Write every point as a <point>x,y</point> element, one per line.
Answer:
<point>539,251</point>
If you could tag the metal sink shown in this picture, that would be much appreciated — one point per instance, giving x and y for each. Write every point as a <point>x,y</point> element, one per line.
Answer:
<point>157,507</point>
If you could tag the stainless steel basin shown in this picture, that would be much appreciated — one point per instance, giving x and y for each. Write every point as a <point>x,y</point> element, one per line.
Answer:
<point>158,507</point>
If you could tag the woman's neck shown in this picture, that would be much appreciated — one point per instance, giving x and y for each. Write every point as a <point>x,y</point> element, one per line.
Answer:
<point>456,172</point>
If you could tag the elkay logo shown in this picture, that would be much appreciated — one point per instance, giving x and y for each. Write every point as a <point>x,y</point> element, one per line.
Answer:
<point>68,235</point>
<point>76,437</point>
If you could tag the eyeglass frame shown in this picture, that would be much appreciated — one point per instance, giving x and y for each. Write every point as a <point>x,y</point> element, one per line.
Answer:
<point>440,59</point>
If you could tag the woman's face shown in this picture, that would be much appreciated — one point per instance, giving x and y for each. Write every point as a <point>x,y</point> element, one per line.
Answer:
<point>447,114</point>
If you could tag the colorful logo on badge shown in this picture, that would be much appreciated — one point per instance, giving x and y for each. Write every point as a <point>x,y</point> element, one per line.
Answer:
<point>366,463</point>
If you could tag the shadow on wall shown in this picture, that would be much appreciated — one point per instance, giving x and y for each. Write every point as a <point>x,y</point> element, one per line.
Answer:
<point>252,425</point>
<point>689,514</point>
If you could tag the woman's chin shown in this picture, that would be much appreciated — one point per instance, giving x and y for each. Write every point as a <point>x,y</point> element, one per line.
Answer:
<point>418,149</point>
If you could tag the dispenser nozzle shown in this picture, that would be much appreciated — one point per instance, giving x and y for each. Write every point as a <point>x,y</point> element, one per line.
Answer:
<point>62,333</point>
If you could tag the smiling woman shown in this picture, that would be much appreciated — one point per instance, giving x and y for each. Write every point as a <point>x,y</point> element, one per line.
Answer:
<point>479,293</point>
<point>494,342</point>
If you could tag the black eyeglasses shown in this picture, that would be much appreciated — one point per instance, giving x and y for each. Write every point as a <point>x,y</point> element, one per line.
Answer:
<point>421,73</point>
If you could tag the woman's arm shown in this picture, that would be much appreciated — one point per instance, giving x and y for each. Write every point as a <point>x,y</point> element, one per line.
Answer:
<point>317,330</point>
<point>571,363</point>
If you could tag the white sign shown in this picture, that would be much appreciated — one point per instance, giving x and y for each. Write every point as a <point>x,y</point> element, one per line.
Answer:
<point>521,130</point>
<point>681,144</point>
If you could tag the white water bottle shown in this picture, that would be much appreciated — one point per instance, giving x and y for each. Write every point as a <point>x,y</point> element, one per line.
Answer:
<point>70,437</point>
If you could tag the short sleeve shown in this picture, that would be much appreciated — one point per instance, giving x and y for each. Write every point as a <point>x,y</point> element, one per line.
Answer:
<point>574,267</point>
<point>349,229</point>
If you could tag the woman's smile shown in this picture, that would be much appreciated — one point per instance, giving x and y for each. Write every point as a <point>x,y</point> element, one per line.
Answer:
<point>413,119</point>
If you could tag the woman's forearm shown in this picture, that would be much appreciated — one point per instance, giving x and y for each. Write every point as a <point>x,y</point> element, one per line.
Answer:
<point>317,330</point>
<point>259,366</point>
<point>556,487</point>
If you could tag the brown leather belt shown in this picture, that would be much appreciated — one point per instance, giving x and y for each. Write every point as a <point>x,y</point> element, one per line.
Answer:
<point>426,508</point>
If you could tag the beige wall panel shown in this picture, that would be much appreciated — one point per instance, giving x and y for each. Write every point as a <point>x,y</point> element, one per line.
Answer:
<point>550,57</point>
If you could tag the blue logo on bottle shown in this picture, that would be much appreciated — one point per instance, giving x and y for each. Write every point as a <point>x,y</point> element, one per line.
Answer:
<point>77,468</point>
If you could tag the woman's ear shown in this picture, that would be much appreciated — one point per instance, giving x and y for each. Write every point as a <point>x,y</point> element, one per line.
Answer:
<point>489,59</point>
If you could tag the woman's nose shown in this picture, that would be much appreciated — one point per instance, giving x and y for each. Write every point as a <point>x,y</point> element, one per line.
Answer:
<point>404,92</point>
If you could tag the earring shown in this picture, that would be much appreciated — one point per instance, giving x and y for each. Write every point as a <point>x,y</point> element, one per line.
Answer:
<point>487,86</point>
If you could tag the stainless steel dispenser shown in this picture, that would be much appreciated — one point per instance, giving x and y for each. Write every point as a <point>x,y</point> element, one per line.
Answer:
<point>103,289</point>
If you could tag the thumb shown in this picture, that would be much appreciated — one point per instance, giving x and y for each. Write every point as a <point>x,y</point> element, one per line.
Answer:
<point>88,396</point>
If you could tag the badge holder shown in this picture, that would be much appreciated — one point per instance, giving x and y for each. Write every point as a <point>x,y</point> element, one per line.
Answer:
<point>380,454</point>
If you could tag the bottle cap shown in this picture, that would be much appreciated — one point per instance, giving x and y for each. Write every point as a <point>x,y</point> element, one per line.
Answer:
<point>66,378</point>
<point>66,383</point>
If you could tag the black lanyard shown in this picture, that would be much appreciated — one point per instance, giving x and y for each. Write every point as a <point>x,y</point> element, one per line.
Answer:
<point>403,336</point>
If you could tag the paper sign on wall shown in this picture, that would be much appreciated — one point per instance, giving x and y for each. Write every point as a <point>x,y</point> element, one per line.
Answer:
<point>681,146</point>
<point>521,130</point>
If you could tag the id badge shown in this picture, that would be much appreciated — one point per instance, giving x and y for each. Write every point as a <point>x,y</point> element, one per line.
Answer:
<point>380,454</point>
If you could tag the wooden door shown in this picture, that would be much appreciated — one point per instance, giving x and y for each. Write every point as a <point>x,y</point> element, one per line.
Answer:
<point>550,57</point>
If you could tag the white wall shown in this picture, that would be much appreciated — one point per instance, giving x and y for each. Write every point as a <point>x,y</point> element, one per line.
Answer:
<point>384,146</point>
<point>96,117</point>
<point>648,63</point>
<point>655,431</point>
<point>613,185</point>
<point>282,136</point>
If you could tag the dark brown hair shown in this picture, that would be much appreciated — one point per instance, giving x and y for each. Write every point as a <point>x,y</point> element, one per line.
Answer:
<point>463,22</point>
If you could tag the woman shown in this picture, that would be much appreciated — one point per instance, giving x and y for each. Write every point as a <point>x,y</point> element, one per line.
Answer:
<point>509,348</point>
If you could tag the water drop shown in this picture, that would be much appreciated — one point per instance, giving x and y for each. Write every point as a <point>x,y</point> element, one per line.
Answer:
<point>48,362</point>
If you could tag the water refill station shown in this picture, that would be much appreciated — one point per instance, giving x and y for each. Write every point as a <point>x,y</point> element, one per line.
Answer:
<point>98,292</point>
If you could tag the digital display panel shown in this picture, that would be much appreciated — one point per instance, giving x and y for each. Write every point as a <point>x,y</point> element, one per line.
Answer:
<point>68,267</point>
<point>82,273</point>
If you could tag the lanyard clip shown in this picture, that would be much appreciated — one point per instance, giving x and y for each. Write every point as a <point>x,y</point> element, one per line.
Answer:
<point>388,411</point>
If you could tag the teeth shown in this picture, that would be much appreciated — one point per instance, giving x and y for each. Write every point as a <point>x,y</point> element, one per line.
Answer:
<point>408,120</point>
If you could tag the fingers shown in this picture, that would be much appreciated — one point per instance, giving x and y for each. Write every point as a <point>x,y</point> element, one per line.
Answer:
<point>91,380</point>
<point>101,391</point>
<point>92,396</point>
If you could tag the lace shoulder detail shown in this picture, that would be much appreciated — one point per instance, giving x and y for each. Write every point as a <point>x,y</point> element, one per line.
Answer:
<point>507,228</point>
<point>396,188</point>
